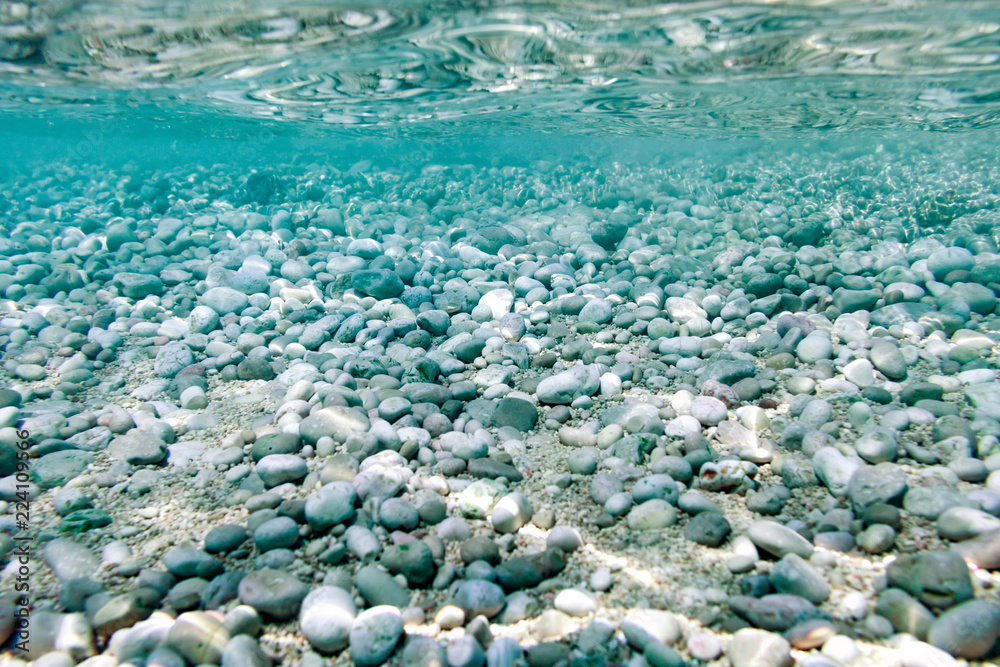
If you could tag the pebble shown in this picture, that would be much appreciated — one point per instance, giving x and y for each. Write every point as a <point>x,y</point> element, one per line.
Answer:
<point>273,593</point>
<point>939,579</point>
<point>374,635</point>
<point>914,653</point>
<point>968,630</point>
<point>643,626</point>
<point>326,617</point>
<point>511,512</point>
<point>652,515</point>
<point>708,528</point>
<point>480,598</point>
<point>758,648</point>
<point>199,636</point>
<point>379,588</point>
<point>779,540</point>
<point>575,602</point>
<point>795,576</point>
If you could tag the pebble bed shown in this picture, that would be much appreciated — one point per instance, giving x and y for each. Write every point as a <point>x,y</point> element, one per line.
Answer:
<point>684,413</point>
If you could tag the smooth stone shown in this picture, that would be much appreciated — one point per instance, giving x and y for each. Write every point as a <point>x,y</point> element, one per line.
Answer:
<point>876,538</point>
<point>276,469</point>
<point>515,412</point>
<point>708,528</point>
<point>968,630</point>
<point>563,388</point>
<point>939,579</point>
<point>70,560</point>
<point>758,648</point>
<point>326,618</point>
<point>479,597</point>
<point>795,576</point>
<point>379,588</point>
<point>904,612</point>
<point>274,593</point>
<point>332,504</point>
<point>575,602</point>
<point>278,533</point>
<point>413,560</point>
<point>652,515</point>
<point>643,626</point>
<point>244,651</point>
<point>982,551</point>
<point>889,360</point>
<point>880,483</point>
<point>914,653</point>
<point>779,540</point>
<point>199,636</point>
<point>58,468</point>
<point>777,612</point>
<point>374,635</point>
<point>511,512</point>
<point>962,523</point>
<point>224,300</point>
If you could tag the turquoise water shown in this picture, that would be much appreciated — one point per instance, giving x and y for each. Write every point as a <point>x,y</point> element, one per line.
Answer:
<point>251,71</point>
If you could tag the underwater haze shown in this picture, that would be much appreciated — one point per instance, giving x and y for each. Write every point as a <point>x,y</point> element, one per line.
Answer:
<point>504,334</point>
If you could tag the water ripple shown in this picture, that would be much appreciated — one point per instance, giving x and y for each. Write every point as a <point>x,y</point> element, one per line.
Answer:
<point>594,65</point>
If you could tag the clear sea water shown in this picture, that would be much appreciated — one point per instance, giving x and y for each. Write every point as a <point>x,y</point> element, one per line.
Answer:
<point>252,82</point>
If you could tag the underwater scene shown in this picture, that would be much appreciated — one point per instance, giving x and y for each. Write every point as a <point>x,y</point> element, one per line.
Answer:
<point>499,334</point>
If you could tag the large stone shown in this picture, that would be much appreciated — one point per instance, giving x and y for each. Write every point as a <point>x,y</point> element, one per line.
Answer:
<point>515,412</point>
<point>58,468</point>
<point>379,283</point>
<point>882,483</point>
<point>70,560</point>
<point>968,630</point>
<point>326,618</point>
<point>138,448</point>
<point>563,388</point>
<point>777,612</point>
<point>199,636</point>
<point>374,635</point>
<point>779,540</point>
<point>332,504</point>
<point>759,648</point>
<point>273,593</point>
<point>939,579</point>
<point>224,300</point>
<point>335,421</point>
<point>139,285</point>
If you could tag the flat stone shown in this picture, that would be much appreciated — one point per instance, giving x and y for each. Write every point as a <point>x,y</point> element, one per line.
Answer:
<point>273,592</point>
<point>70,560</point>
<point>224,300</point>
<point>777,612</point>
<point>779,540</point>
<point>58,468</point>
<point>139,285</point>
